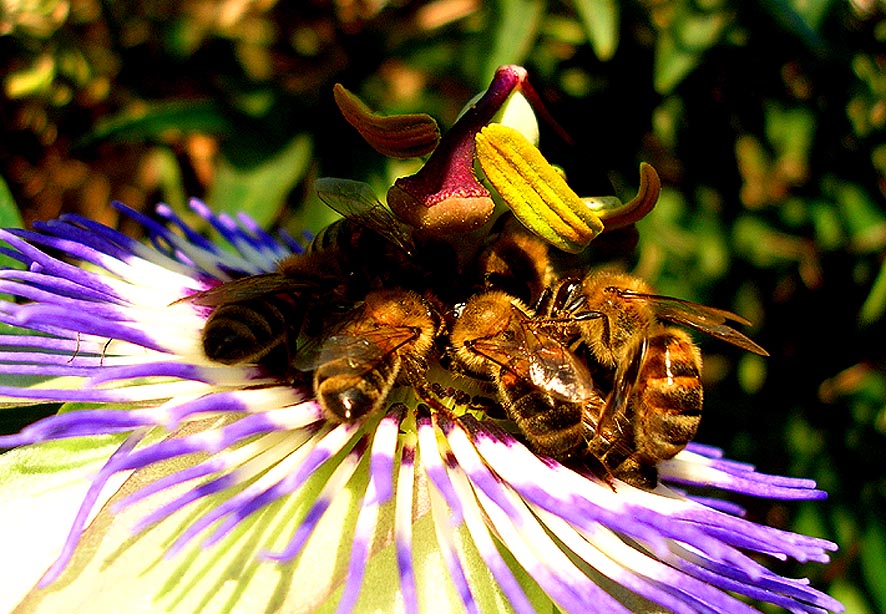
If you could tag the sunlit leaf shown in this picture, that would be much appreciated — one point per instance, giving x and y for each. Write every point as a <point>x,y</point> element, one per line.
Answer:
<point>829,232</point>
<point>513,29</point>
<point>864,218</point>
<point>751,373</point>
<point>156,120</point>
<point>874,306</point>
<point>791,133</point>
<point>259,187</point>
<point>31,80</point>
<point>850,596</point>
<point>9,218</point>
<point>9,214</point>
<point>754,164</point>
<point>601,22</point>
<point>672,63</point>
<point>165,167</point>
<point>681,47</point>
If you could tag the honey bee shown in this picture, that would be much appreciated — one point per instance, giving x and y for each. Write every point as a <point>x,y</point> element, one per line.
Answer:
<point>654,405</point>
<point>252,317</point>
<point>654,408</point>
<point>256,315</point>
<point>541,384</point>
<point>611,308</point>
<point>385,340</point>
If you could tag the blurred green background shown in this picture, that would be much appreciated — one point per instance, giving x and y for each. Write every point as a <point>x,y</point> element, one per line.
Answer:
<point>766,121</point>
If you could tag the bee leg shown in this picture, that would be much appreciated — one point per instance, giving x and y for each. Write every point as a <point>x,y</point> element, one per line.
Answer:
<point>600,469</point>
<point>427,397</point>
<point>592,315</point>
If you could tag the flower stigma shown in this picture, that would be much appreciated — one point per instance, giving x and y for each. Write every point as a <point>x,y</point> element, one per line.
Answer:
<point>386,419</point>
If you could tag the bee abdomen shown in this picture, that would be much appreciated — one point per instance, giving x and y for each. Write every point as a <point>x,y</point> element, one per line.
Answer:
<point>331,237</point>
<point>349,392</point>
<point>246,331</point>
<point>665,435</point>
<point>551,427</point>
<point>670,394</point>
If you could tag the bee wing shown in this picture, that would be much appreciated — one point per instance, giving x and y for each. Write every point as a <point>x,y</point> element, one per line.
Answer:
<point>552,367</point>
<point>356,201</point>
<point>709,320</point>
<point>360,352</point>
<point>533,355</point>
<point>244,289</point>
<point>626,375</point>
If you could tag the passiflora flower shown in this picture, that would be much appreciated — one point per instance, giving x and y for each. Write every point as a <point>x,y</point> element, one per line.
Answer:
<point>180,477</point>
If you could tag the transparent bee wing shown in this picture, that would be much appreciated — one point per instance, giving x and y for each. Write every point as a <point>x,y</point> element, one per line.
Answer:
<point>705,319</point>
<point>534,356</point>
<point>361,352</point>
<point>307,358</point>
<point>505,354</point>
<point>244,289</point>
<point>625,379</point>
<point>391,338</point>
<point>356,201</point>
<point>554,369</point>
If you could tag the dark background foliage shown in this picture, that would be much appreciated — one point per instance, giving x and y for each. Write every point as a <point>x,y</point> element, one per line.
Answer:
<point>765,120</point>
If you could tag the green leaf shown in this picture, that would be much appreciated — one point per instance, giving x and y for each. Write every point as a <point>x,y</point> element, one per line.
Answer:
<point>864,218</point>
<point>873,559</point>
<point>672,63</point>
<point>9,218</point>
<point>32,80</point>
<point>515,25</point>
<point>829,232</point>
<point>874,305</point>
<point>258,187</point>
<point>791,133</point>
<point>601,21</point>
<point>751,373</point>
<point>9,213</point>
<point>156,120</point>
<point>681,47</point>
<point>850,596</point>
<point>802,19</point>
